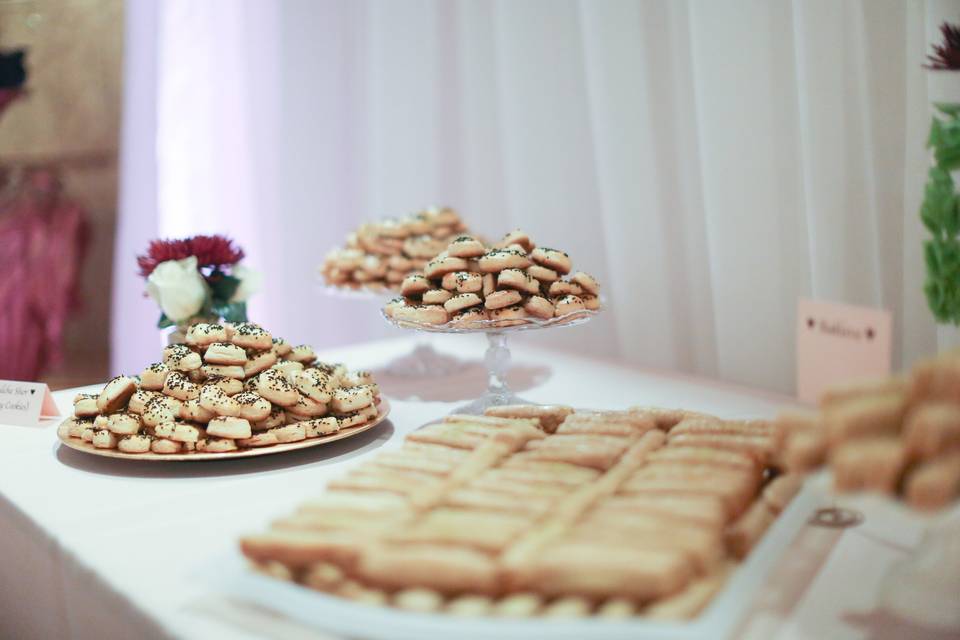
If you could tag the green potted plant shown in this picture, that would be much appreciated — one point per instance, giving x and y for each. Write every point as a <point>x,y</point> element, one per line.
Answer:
<point>940,210</point>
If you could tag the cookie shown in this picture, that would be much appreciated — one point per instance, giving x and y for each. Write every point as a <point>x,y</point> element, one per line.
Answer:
<point>216,445</point>
<point>436,296</point>
<point>125,423</point>
<point>179,386</point>
<point>507,316</point>
<point>321,426</point>
<point>539,307</point>
<point>423,314</point>
<point>591,303</point>
<point>138,401</point>
<point>266,359</point>
<point>104,439</point>
<point>184,432</point>
<point>272,385</point>
<point>157,411</point>
<point>562,288</point>
<point>252,407</point>
<point>225,353</point>
<point>215,400</point>
<point>193,411</point>
<point>229,427</point>
<point>85,405</point>
<point>442,264</point>
<point>180,357</point>
<point>552,259</point>
<point>414,285</point>
<point>587,282</point>
<point>499,259</point>
<point>229,386</point>
<point>502,298</point>
<point>352,399</point>
<point>315,384</point>
<point>468,317</point>
<point>280,347</point>
<point>224,371</point>
<point>517,279</point>
<point>259,439</point>
<point>116,394</point>
<point>289,369</point>
<point>202,334</point>
<point>163,445</point>
<point>306,408</point>
<point>466,247</point>
<point>542,274</point>
<point>251,336</point>
<point>567,305</point>
<point>302,353</point>
<point>289,433</point>
<point>462,301</point>
<point>153,376</point>
<point>519,238</point>
<point>136,443</point>
<point>276,418</point>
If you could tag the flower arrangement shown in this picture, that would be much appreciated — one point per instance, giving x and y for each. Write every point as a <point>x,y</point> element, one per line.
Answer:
<point>940,210</point>
<point>946,56</point>
<point>197,278</point>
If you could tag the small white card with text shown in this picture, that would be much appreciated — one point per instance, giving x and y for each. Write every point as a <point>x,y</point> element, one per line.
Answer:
<point>25,403</point>
<point>839,343</point>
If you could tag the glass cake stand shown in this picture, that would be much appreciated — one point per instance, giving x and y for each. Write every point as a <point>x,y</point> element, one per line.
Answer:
<point>497,357</point>
<point>424,361</point>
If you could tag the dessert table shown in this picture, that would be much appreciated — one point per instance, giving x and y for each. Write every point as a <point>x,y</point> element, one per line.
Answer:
<point>103,548</point>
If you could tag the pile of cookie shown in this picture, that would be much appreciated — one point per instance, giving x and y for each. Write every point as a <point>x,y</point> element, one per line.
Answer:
<point>898,436</point>
<point>469,285</point>
<point>540,511</point>
<point>228,387</point>
<point>379,255</point>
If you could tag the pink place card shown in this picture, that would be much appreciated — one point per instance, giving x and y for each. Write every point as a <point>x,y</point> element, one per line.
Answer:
<point>25,403</point>
<point>839,343</point>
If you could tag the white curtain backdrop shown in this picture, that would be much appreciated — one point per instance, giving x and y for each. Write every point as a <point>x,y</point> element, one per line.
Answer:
<point>710,162</point>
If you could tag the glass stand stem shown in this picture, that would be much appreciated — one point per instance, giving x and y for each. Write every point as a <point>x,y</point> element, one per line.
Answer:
<point>497,359</point>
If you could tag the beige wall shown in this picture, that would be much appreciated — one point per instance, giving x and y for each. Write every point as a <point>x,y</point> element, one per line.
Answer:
<point>71,117</point>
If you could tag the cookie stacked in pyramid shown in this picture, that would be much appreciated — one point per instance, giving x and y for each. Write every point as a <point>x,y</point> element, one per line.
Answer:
<point>470,285</point>
<point>379,255</point>
<point>227,387</point>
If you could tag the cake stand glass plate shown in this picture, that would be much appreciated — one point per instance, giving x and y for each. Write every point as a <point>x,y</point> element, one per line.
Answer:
<point>497,356</point>
<point>201,456</point>
<point>424,361</point>
<point>353,619</point>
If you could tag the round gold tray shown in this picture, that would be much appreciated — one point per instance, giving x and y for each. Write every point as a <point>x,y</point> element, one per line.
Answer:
<point>199,456</point>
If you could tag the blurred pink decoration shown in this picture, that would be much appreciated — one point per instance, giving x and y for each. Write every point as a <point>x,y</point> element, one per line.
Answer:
<point>42,243</point>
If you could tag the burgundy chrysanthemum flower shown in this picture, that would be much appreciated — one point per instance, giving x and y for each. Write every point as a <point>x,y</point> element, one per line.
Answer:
<point>946,55</point>
<point>211,251</point>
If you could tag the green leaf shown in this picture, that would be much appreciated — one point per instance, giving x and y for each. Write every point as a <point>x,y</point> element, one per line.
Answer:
<point>938,212</point>
<point>222,286</point>
<point>935,135</point>
<point>948,108</point>
<point>164,322</point>
<point>232,311</point>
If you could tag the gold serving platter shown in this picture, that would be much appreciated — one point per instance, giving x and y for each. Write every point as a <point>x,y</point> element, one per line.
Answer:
<point>200,456</point>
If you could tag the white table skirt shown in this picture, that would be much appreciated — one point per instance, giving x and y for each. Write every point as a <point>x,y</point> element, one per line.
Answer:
<point>101,548</point>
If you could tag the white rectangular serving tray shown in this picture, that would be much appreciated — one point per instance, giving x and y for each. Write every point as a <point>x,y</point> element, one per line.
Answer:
<point>356,620</point>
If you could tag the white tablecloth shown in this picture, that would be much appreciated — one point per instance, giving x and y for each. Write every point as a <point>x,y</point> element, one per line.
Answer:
<point>102,548</point>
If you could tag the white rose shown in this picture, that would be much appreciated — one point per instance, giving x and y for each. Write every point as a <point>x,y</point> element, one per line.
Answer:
<point>249,282</point>
<point>178,288</point>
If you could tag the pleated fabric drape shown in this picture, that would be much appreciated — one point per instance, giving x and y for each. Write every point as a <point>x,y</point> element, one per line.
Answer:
<point>709,162</point>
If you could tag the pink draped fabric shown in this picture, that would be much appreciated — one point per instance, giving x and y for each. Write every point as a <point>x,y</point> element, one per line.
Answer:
<point>42,242</point>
